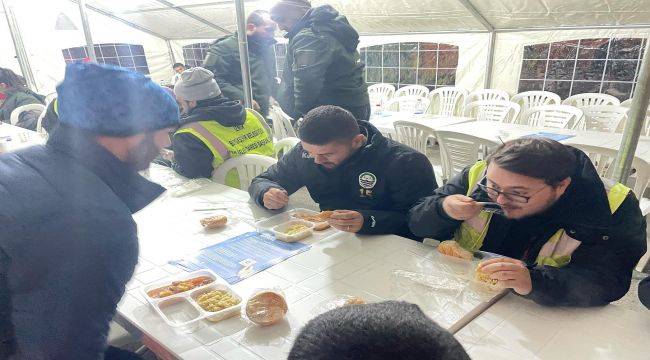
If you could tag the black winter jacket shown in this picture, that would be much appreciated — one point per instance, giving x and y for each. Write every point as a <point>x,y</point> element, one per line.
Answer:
<point>223,60</point>
<point>600,269</point>
<point>382,181</point>
<point>322,65</point>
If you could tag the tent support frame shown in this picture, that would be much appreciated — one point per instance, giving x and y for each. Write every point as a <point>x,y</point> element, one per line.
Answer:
<point>19,46</point>
<point>634,125</point>
<point>90,46</point>
<point>243,54</point>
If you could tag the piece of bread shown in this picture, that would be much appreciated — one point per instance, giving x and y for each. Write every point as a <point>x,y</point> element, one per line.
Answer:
<point>325,215</point>
<point>484,279</point>
<point>451,248</point>
<point>214,222</point>
<point>354,300</point>
<point>320,226</point>
<point>266,308</point>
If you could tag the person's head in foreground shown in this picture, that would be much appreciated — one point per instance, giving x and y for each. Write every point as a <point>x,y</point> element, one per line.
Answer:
<point>528,175</point>
<point>330,134</point>
<point>195,84</point>
<point>286,13</point>
<point>259,26</point>
<point>124,111</point>
<point>178,68</point>
<point>383,331</point>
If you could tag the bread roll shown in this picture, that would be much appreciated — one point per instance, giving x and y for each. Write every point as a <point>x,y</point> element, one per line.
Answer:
<point>266,308</point>
<point>451,248</point>
<point>214,222</point>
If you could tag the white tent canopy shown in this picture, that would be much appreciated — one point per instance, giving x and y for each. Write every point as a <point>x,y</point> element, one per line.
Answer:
<point>164,25</point>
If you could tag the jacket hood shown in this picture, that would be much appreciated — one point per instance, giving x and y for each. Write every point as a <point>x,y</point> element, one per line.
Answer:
<point>585,200</point>
<point>326,20</point>
<point>222,110</point>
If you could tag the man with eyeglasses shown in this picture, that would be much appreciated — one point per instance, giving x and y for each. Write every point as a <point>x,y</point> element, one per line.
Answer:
<point>563,236</point>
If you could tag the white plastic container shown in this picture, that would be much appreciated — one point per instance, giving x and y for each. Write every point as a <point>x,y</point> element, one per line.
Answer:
<point>280,231</point>
<point>181,311</point>
<point>267,225</point>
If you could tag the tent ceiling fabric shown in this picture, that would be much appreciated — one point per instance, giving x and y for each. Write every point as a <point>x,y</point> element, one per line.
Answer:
<point>390,16</point>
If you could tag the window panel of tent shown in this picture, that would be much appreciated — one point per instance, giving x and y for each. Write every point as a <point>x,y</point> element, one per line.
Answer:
<point>586,65</point>
<point>410,63</point>
<point>128,56</point>
<point>194,54</point>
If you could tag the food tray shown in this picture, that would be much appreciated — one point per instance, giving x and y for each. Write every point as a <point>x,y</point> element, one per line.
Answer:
<point>280,231</point>
<point>181,311</point>
<point>268,224</point>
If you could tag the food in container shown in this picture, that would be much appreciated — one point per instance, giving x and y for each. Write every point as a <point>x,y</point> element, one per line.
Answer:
<point>216,300</point>
<point>178,287</point>
<point>319,220</point>
<point>293,231</point>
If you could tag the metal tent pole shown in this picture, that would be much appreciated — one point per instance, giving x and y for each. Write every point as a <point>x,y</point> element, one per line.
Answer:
<point>21,54</point>
<point>634,125</point>
<point>243,54</point>
<point>89,39</point>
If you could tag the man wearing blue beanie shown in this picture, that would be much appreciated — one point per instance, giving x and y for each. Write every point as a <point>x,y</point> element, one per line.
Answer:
<point>68,243</point>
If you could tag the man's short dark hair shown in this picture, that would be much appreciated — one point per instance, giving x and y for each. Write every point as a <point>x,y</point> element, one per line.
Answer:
<point>177,65</point>
<point>536,157</point>
<point>326,124</point>
<point>382,331</point>
<point>257,17</point>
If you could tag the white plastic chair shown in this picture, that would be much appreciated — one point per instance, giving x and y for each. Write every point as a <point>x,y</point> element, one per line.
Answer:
<point>409,104</point>
<point>48,100</point>
<point>283,146</point>
<point>248,167</point>
<point>590,99</point>
<point>627,103</point>
<point>493,110</point>
<point>606,118</point>
<point>380,93</point>
<point>531,99</point>
<point>457,151</point>
<point>282,127</point>
<point>603,159</point>
<point>412,90</point>
<point>488,94</point>
<point>262,121</point>
<point>15,115</point>
<point>413,135</point>
<point>554,117</point>
<point>447,101</point>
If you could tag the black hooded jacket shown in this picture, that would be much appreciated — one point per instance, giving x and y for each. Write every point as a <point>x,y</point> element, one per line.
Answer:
<point>322,65</point>
<point>600,270</point>
<point>382,180</point>
<point>192,158</point>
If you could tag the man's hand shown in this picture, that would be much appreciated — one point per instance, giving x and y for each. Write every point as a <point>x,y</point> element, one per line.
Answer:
<point>346,220</point>
<point>511,274</point>
<point>460,207</point>
<point>275,198</point>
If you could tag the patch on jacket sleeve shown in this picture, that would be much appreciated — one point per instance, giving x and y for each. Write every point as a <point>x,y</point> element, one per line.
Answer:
<point>304,58</point>
<point>373,222</point>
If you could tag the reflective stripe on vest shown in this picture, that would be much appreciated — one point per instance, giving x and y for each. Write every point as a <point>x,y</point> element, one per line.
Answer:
<point>557,250</point>
<point>225,142</point>
<point>56,106</point>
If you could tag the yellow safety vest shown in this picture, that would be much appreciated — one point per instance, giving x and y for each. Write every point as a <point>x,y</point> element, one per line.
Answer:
<point>557,250</point>
<point>227,142</point>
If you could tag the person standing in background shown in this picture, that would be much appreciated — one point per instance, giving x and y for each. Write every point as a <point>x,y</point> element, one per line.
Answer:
<point>223,60</point>
<point>322,64</point>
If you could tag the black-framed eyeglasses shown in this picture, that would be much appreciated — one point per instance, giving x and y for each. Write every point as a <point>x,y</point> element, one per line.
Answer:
<point>494,193</point>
